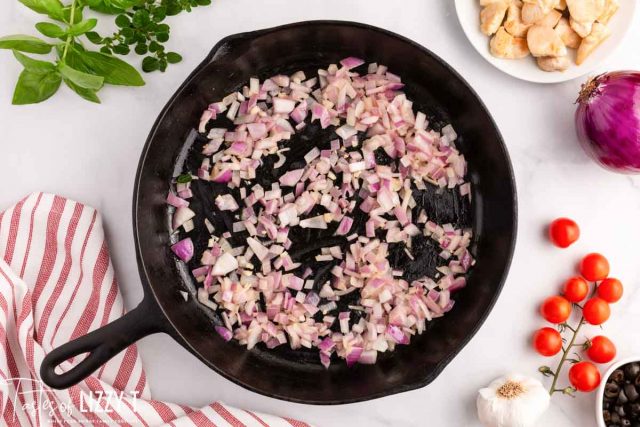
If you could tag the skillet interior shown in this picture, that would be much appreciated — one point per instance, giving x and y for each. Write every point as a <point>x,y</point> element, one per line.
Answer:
<point>437,90</point>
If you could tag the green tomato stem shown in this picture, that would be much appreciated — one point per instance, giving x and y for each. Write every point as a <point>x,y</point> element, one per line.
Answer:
<point>565,353</point>
<point>69,36</point>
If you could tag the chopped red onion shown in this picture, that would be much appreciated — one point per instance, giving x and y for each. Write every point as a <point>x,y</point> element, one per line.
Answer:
<point>184,249</point>
<point>182,215</point>
<point>176,201</point>
<point>369,106</point>
<point>224,333</point>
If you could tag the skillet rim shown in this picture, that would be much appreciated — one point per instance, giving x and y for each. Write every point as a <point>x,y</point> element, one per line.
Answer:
<point>173,331</point>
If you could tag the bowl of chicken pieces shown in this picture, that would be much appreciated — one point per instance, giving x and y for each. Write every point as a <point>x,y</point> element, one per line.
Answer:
<point>546,41</point>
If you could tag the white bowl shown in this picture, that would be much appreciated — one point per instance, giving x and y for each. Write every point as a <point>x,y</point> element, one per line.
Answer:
<point>526,69</point>
<point>603,383</point>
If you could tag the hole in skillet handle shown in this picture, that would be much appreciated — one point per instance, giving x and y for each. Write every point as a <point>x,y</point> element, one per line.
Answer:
<point>101,345</point>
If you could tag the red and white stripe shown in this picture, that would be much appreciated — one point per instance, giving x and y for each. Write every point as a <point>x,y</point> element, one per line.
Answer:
<point>56,284</point>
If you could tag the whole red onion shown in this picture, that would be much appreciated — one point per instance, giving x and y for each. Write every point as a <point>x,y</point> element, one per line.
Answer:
<point>608,120</point>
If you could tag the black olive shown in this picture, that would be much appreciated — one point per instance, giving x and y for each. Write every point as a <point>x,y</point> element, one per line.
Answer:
<point>637,381</point>
<point>632,370</point>
<point>631,392</point>
<point>617,375</point>
<point>625,422</point>
<point>620,411</point>
<point>606,416</point>
<point>611,390</point>
<point>615,418</point>
<point>634,408</point>
<point>622,398</point>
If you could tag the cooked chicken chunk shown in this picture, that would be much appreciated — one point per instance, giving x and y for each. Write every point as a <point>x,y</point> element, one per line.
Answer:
<point>488,2</point>
<point>599,33</point>
<point>550,19</point>
<point>569,37</point>
<point>491,17</point>
<point>553,63</point>
<point>585,10</point>
<point>561,5</point>
<point>545,5</point>
<point>504,45</point>
<point>513,23</point>
<point>531,13</point>
<point>610,8</point>
<point>582,28</point>
<point>544,41</point>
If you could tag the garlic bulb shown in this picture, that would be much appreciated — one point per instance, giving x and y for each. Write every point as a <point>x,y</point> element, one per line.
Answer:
<point>512,401</point>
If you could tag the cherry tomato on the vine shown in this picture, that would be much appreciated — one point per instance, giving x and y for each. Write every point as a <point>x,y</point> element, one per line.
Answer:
<point>555,309</point>
<point>594,267</point>
<point>596,311</point>
<point>584,376</point>
<point>610,290</point>
<point>563,232</point>
<point>575,289</point>
<point>601,350</point>
<point>547,341</point>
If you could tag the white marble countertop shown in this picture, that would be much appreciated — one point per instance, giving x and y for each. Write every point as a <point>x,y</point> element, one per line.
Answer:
<point>90,153</point>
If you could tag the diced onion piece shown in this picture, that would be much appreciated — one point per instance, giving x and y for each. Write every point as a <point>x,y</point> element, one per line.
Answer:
<point>291,178</point>
<point>226,202</point>
<point>184,249</point>
<point>315,222</point>
<point>225,264</point>
<point>181,215</point>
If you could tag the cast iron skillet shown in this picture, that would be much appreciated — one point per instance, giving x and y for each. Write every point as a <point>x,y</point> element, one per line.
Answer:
<point>436,89</point>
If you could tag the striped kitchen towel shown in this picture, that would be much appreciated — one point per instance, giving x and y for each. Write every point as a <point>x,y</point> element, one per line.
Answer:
<point>56,284</point>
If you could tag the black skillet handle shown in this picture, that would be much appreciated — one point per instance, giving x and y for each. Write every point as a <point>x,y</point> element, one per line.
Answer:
<point>101,344</point>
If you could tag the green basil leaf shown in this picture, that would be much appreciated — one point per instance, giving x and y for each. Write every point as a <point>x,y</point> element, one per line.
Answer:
<point>94,37</point>
<point>34,87</point>
<point>34,65</point>
<point>83,27</point>
<point>159,14</point>
<point>184,178</point>
<point>115,71</point>
<point>88,94</point>
<point>81,79</point>
<point>51,30</point>
<point>52,8</point>
<point>24,43</point>
<point>141,49</point>
<point>140,18</point>
<point>162,37</point>
<point>123,21</point>
<point>150,64</point>
<point>173,57</point>
<point>121,49</point>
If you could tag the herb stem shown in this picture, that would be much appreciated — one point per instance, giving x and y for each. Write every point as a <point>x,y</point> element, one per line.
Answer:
<point>565,353</point>
<point>72,17</point>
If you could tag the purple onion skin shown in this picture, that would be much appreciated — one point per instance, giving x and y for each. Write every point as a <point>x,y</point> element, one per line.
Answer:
<point>608,120</point>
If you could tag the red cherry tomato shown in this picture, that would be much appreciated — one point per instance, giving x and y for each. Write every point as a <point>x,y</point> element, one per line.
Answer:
<point>596,311</point>
<point>601,350</point>
<point>584,376</point>
<point>547,341</point>
<point>594,267</point>
<point>610,290</point>
<point>563,232</point>
<point>575,289</point>
<point>555,309</point>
